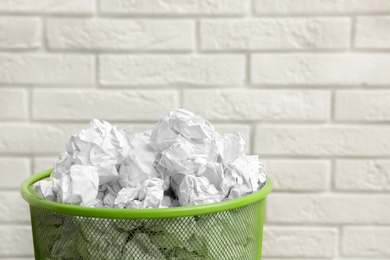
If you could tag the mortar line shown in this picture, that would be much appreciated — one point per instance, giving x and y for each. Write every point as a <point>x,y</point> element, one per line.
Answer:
<point>353,32</point>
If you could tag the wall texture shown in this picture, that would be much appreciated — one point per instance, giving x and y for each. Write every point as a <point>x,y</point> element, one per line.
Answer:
<point>307,81</point>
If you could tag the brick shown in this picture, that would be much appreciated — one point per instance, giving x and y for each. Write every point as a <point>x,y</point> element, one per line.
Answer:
<point>320,7</point>
<point>363,175</point>
<point>46,69</point>
<point>320,69</point>
<point>21,138</point>
<point>13,172</point>
<point>362,105</point>
<point>275,34</point>
<point>303,242</point>
<point>13,104</point>
<point>246,104</point>
<point>103,104</point>
<point>16,241</point>
<point>366,241</point>
<point>228,7</point>
<point>298,175</point>
<point>20,33</point>
<point>373,32</point>
<point>323,140</point>
<point>120,34</point>
<point>47,6</point>
<point>43,163</point>
<point>328,209</point>
<point>13,207</point>
<point>134,70</point>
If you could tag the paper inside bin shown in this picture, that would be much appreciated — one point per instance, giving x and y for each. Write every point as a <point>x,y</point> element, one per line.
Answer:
<point>181,161</point>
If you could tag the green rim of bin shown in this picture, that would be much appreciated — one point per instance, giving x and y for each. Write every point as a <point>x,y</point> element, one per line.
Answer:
<point>33,200</point>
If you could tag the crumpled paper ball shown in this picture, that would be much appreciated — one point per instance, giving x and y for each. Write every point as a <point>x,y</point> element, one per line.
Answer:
<point>181,161</point>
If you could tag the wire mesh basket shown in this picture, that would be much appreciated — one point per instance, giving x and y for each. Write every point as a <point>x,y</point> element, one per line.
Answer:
<point>225,230</point>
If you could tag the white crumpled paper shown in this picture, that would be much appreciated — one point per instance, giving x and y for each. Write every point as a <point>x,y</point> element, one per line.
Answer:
<point>148,194</point>
<point>182,161</point>
<point>193,190</point>
<point>138,162</point>
<point>79,185</point>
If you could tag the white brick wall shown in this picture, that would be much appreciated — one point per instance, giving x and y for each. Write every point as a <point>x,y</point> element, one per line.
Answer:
<point>298,175</point>
<point>175,7</point>
<point>366,241</point>
<point>300,242</point>
<point>66,7</point>
<point>362,175</point>
<point>318,7</point>
<point>275,34</point>
<point>46,69</point>
<point>20,33</point>
<point>86,104</point>
<point>306,81</point>
<point>119,34</point>
<point>373,32</point>
<point>321,69</point>
<point>13,103</point>
<point>171,70</point>
<point>368,105</point>
<point>254,105</point>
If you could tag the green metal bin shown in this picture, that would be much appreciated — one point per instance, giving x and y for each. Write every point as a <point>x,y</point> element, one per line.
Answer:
<point>225,230</point>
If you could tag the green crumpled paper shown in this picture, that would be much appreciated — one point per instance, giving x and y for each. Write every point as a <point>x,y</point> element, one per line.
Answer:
<point>100,240</point>
<point>140,247</point>
<point>222,238</point>
<point>227,236</point>
<point>173,232</point>
<point>56,241</point>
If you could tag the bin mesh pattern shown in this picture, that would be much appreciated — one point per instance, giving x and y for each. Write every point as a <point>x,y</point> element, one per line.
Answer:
<point>232,234</point>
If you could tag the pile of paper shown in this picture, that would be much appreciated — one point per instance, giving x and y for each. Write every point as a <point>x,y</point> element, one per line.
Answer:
<point>182,161</point>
